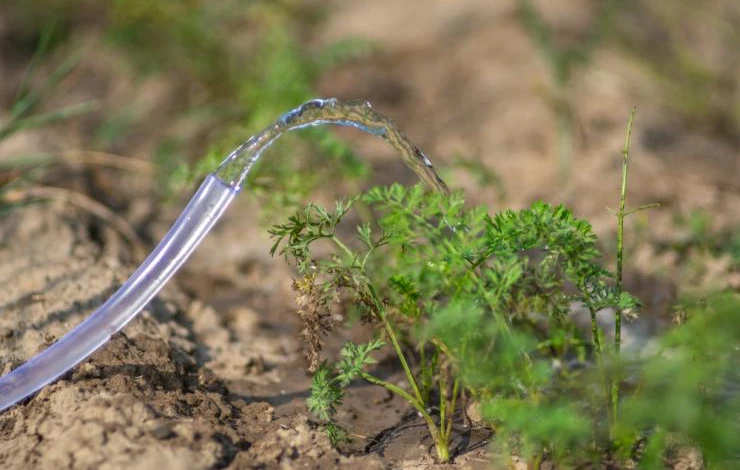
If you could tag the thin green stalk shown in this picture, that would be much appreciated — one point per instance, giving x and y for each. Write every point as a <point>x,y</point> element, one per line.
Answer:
<point>342,246</point>
<point>441,439</point>
<point>365,258</point>
<point>47,34</point>
<point>398,391</point>
<point>453,405</point>
<point>441,443</point>
<point>425,378</point>
<point>17,123</point>
<point>26,102</point>
<point>387,326</point>
<point>443,451</point>
<point>600,363</point>
<point>443,403</point>
<point>604,376</point>
<point>621,213</point>
<point>394,341</point>
<point>428,366</point>
<point>620,227</point>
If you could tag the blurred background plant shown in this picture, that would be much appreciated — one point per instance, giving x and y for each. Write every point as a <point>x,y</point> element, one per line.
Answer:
<point>233,66</point>
<point>666,40</point>
<point>685,398</point>
<point>671,41</point>
<point>563,53</point>
<point>487,303</point>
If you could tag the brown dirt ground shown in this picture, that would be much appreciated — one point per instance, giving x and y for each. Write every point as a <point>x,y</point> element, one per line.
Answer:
<point>211,374</point>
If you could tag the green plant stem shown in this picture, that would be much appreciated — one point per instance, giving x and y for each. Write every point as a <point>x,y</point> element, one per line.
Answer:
<point>386,325</point>
<point>340,244</point>
<point>443,403</point>
<point>621,213</point>
<point>389,330</point>
<point>26,102</point>
<point>440,440</point>
<point>620,229</point>
<point>443,451</point>
<point>18,124</point>
<point>428,366</point>
<point>396,345</point>
<point>398,391</point>
<point>453,405</point>
<point>600,363</point>
<point>369,252</point>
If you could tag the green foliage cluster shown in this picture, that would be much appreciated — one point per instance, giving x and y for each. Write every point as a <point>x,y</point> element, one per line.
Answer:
<point>468,289</point>
<point>688,391</point>
<point>484,301</point>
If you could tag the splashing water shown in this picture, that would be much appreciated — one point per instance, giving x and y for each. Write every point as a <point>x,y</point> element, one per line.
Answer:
<point>202,212</point>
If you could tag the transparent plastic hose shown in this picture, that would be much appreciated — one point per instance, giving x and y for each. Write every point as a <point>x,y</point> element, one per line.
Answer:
<point>198,217</point>
<point>196,220</point>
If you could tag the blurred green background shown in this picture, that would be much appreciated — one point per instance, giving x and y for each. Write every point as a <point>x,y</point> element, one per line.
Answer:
<point>515,100</point>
